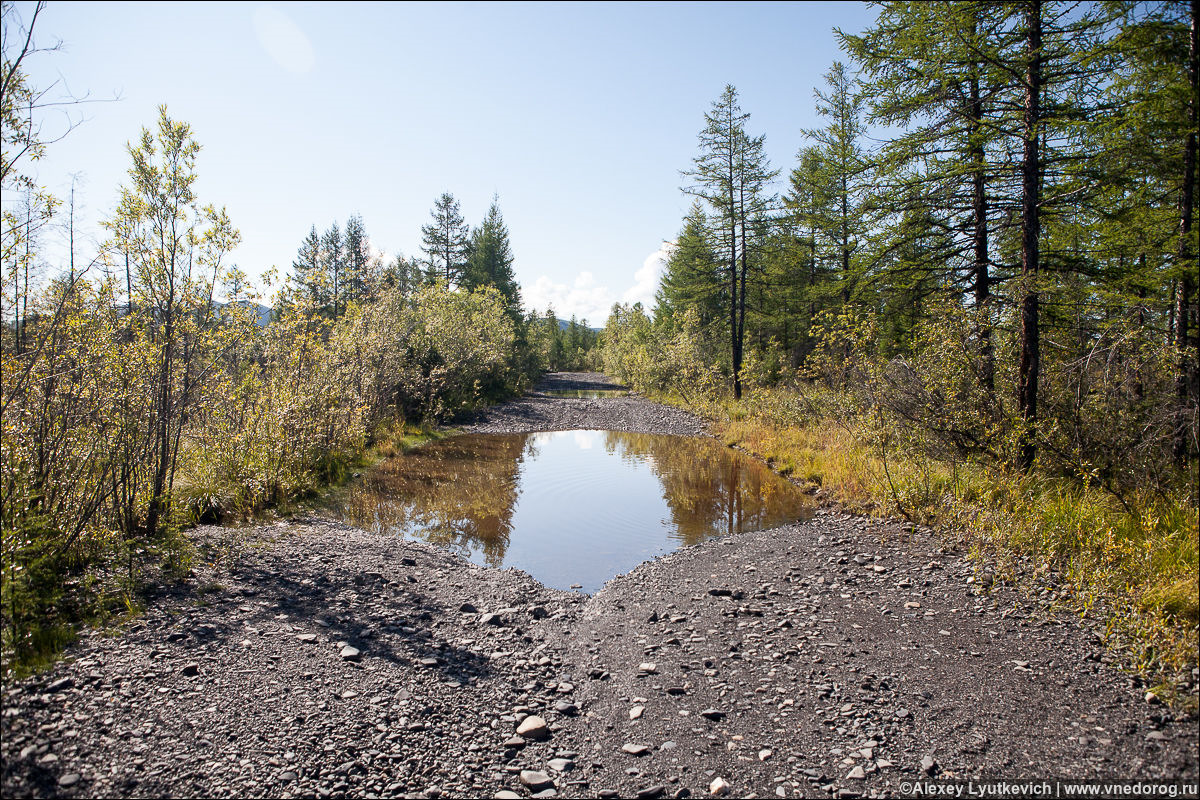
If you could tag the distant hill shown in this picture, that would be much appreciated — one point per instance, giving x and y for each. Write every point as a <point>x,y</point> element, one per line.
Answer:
<point>563,324</point>
<point>263,313</point>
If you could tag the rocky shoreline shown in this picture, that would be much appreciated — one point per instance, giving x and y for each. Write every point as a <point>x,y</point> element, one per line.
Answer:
<point>835,657</point>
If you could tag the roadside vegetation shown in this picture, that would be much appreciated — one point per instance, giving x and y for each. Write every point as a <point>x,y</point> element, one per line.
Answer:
<point>145,388</point>
<point>975,304</point>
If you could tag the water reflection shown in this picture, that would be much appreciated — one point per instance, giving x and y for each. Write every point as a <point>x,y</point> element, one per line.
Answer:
<point>570,507</point>
<point>586,394</point>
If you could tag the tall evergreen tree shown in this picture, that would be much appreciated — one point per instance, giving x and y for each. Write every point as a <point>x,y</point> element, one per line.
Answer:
<point>333,259</point>
<point>731,174</point>
<point>692,278</point>
<point>357,257</point>
<point>308,271</point>
<point>445,241</point>
<point>490,259</point>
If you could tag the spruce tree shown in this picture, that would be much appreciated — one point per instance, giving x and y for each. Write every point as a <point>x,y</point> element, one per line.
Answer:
<point>445,241</point>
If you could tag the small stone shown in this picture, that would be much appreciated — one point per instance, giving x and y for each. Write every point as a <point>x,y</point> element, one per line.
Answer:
<point>1156,736</point>
<point>288,776</point>
<point>70,779</point>
<point>60,684</point>
<point>719,787</point>
<point>929,766</point>
<point>1153,699</point>
<point>565,688</point>
<point>407,562</point>
<point>651,792</point>
<point>191,669</point>
<point>636,712</point>
<point>428,662</point>
<point>515,742</point>
<point>536,780</point>
<point>506,794</point>
<point>350,653</point>
<point>856,774</point>
<point>467,608</point>
<point>307,638</point>
<point>883,763</point>
<point>561,764</point>
<point>713,714</point>
<point>764,754</point>
<point>635,749</point>
<point>539,612</point>
<point>533,727</point>
<point>647,668</point>
<point>566,708</point>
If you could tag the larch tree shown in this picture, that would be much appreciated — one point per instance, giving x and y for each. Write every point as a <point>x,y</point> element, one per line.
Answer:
<point>731,175</point>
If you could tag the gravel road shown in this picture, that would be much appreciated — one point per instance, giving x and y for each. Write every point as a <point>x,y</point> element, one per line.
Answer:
<point>837,657</point>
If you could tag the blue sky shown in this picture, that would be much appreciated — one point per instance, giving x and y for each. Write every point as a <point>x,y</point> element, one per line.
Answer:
<point>579,116</point>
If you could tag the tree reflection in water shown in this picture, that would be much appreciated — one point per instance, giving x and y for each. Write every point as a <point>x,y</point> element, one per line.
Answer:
<point>465,492</point>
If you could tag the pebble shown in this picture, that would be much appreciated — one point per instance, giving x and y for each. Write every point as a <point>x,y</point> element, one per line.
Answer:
<point>636,712</point>
<point>635,749</point>
<point>719,787</point>
<point>350,653</point>
<point>536,780</point>
<point>647,668</point>
<point>533,727</point>
<point>70,779</point>
<point>929,766</point>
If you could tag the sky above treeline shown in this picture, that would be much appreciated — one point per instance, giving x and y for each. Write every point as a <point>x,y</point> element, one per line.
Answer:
<point>580,118</point>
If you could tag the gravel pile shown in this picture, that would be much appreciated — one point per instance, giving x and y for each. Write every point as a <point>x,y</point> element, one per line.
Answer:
<point>541,412</point>
<point>838,657</point>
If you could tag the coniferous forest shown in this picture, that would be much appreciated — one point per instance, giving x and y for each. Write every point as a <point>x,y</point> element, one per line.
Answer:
<point>970,302</point>
<point>972,298</point>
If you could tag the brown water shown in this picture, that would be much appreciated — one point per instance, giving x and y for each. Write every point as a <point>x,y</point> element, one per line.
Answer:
<point>570,507</point>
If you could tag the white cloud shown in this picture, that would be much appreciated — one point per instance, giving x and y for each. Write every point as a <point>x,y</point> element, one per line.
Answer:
<point>588,300</point>
<point>283,40</point>
<point>645,280</point>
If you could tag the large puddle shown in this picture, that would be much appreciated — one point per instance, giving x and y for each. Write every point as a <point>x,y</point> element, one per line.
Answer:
<point>572,508</point>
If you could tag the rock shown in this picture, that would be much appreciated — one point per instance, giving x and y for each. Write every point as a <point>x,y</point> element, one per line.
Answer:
<point>561,764</point>
<point>635,749</point>
<point>764,754</point>
<point>565,688</point>
<point>506,794</point>
<point>307,638</point>
<point>1156,736</point>
<point>566,708</point>
<point>536,780</point>
<point>713,714</point>
<point>636,712</point>
<point>407,562</point>
<point>190,669</point>
<point>70,779</point>
<point>720,592</point>
<point>856,774</point>
<point>467,608</point>
<point>651,792</point>
<point>719,787</point>
<point>491,619</point>
<point>60,685</point>
<point>1153,699</point>
<point>515,742</point>
<point>533,727</point>
<point>929,766</point>
<point>539,612</point>
<point>288,776</point>
<point>350,653</point>
<point>647,668</point>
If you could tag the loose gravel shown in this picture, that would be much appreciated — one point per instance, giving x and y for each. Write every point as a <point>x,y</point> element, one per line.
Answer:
<point>838,657</point>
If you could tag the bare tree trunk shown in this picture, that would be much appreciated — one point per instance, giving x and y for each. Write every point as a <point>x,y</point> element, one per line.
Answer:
<point>1186,390</point>
<point>982,281</point>
<point>1030,360</point>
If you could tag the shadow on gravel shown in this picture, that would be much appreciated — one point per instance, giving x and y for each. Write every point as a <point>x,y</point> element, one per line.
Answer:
<point>382,618</point>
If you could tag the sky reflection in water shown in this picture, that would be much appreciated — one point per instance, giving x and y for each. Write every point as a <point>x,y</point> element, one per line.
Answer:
<point>570,507</point>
